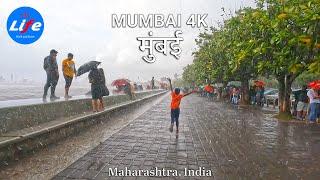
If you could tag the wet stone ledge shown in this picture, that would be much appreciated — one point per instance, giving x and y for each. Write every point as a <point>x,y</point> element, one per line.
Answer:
<point>16,118</point>
<point>44,127</point>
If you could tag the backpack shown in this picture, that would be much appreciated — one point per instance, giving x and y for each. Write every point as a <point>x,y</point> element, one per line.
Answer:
<point>105,90</point>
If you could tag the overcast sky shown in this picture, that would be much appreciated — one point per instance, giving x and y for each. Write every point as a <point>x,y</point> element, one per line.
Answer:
<point>83,27</point>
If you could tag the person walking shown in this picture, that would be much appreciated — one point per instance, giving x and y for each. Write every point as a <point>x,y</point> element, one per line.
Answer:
<point>209,91</point>
<point>314,100</point>
<point>51,67</point>
<point>252,93</point>
<point>235,96</point>
<point>302,106</point>
<point>260,96</point>
<point>69,70</point>
<point>104,89</point>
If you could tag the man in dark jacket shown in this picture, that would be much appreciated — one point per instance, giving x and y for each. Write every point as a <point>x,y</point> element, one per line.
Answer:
<point>51,67</point>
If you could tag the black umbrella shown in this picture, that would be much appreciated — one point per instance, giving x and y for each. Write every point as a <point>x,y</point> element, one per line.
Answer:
<point>87,67</point>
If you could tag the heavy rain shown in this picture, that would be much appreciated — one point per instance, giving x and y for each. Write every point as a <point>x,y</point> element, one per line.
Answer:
<point>210,90</point>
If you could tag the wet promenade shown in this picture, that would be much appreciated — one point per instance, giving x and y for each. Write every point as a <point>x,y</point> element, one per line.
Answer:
<point>226,141</point>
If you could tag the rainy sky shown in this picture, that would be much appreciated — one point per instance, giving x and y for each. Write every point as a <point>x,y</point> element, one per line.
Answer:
<point>83,27</point>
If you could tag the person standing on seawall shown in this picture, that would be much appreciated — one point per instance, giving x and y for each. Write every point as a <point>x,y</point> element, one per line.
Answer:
<point>152,83</point>
<point>96,79</point>
<point>68,69</point>
<point>104,90</point>
<point>51,67</point>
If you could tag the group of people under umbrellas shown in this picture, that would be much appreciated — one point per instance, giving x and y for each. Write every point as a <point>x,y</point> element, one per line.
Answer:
<point>96,78</point>
<point>308,102</point>
<point>233,93</point>
<point>256,93</point>
<point>126,86</point>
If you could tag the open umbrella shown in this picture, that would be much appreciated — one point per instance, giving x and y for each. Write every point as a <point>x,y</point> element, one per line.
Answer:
<point>259,83</point>
<point>87,67</point>
<point>315,84</point>
<point>120,82</point>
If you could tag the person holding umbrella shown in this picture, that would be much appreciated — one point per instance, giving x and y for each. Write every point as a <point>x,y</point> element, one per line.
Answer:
<point>97,80</point>
<point>51,67</point>
<point>68,69</point>
<point>302,105</point>
<point>314,100</point>
<point>259,92</point>
<point>104,89</point>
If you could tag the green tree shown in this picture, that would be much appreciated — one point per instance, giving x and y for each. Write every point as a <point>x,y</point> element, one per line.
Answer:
<point>290,36</point>
<point>278,39</point>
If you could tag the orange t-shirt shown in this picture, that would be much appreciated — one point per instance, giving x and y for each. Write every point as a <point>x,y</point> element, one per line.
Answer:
<point>209,89</point>
<point>175,100</point>
<point>68,67</point>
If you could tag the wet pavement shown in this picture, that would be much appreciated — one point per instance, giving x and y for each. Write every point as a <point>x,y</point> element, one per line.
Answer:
<point>47,162</point>
<point>227,142</point>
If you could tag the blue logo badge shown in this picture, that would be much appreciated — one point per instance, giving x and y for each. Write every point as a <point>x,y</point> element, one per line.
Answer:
<point>25,25</point>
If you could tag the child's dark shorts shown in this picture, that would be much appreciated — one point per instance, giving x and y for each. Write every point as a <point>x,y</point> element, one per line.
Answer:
<point>175,116</point>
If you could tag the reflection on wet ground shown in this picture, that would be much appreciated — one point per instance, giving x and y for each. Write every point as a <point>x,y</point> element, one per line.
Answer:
<point>250,143</point>
<point>51,160</point>
<point>234,142</point>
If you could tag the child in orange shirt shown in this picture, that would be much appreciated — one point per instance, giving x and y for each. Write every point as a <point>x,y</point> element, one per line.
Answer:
<point>175,106</point>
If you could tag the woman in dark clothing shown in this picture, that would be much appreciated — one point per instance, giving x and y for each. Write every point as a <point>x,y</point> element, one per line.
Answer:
<point>103,88</point>
<point>96,80</point>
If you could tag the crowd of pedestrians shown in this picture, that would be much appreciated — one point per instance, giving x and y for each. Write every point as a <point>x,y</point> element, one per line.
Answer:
<point>306,106</point>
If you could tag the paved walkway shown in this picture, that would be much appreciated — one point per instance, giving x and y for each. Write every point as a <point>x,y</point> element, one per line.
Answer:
<point>228,141</point>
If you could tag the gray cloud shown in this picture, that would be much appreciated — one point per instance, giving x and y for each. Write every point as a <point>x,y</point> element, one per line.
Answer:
<point>83,27</point>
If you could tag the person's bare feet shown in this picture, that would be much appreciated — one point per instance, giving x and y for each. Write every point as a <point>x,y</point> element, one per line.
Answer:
<point>171,128</point>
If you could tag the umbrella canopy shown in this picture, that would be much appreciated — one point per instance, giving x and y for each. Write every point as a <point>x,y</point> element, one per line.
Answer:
<point>259,83</point>
<point>234,83</point>
<point>315,84</point>
<point>120,82</point>
<point>87,67</point>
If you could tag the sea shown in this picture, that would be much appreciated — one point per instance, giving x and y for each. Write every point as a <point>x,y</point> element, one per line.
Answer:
<point>16,91</point>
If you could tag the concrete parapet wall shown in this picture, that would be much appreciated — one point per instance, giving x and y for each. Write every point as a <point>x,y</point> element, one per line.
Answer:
<point>20,145</point>
<point>15,118</point>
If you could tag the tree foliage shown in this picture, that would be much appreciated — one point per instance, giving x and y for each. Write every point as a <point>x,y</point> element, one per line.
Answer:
<point>280,38</point>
